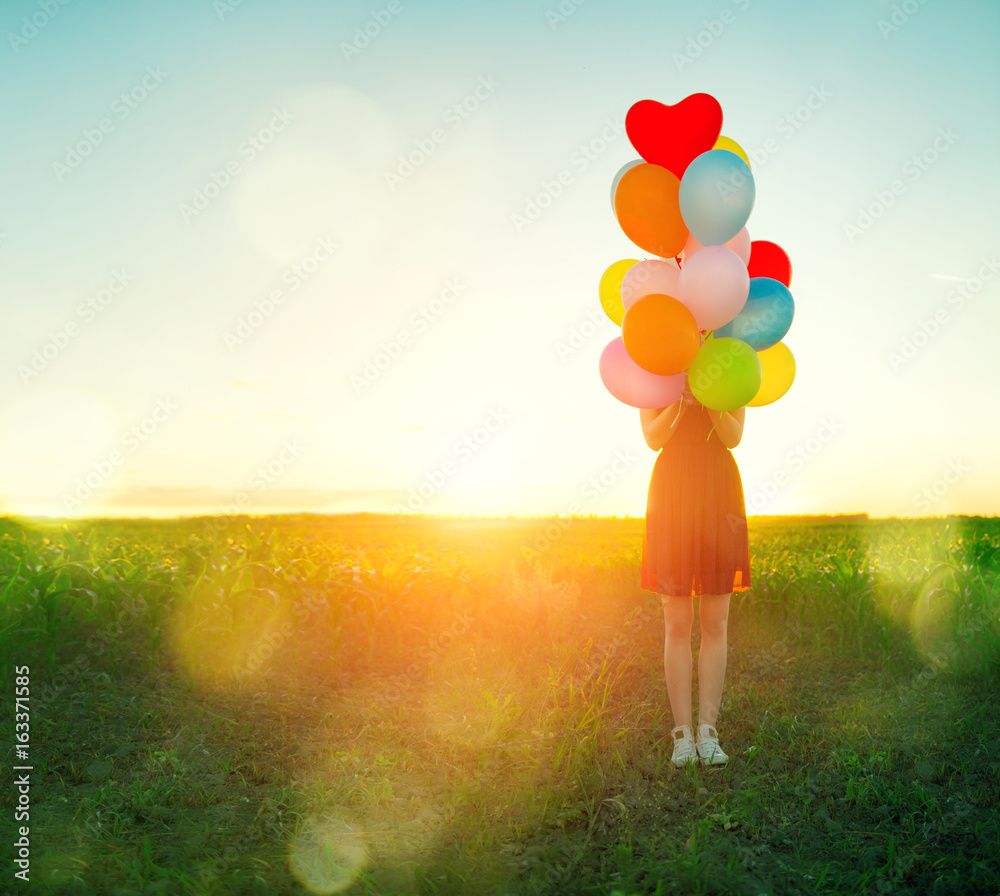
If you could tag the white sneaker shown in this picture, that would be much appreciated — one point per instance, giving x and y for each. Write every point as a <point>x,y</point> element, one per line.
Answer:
<point>709,750</point>
<point>684,748</point>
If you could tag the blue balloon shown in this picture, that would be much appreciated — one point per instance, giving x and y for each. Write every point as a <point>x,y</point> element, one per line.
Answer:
<point>716,196</point>
<point>766,317</point>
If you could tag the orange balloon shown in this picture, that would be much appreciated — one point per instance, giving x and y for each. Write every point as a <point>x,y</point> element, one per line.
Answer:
<point>660,334</point>
<point>648,210</point>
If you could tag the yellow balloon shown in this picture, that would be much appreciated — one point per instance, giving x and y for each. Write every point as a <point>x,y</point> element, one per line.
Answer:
<point>732,146</point>
<point>610,288</point>
<point>777,373</point>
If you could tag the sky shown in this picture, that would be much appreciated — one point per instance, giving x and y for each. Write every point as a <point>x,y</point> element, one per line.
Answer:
<point>302,256</point>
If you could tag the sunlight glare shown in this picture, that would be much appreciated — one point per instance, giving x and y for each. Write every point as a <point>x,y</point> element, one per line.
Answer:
<point>48,440</point>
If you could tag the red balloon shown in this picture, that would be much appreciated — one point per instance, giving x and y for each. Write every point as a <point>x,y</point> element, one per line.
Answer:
<point>671,136</point>
<point>768,259</point>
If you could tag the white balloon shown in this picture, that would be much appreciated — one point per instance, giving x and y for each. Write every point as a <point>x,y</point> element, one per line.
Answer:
<point>714,284</point>
<point>614,184</point>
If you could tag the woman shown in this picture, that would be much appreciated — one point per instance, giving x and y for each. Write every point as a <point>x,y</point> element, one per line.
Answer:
<point>695,543</point>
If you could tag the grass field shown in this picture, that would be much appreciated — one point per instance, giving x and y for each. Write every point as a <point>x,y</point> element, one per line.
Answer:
<point>393,705</point>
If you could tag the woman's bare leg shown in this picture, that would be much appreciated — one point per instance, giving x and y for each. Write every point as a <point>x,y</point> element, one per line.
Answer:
<point>678,618</point>
<point>714,617</point>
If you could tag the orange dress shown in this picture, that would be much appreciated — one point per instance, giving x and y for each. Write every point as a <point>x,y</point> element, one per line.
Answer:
<point>695,541</point>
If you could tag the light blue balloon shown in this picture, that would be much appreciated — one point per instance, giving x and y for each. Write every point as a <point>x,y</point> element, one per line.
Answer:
<point>716,196</point>
<point>766,317</point>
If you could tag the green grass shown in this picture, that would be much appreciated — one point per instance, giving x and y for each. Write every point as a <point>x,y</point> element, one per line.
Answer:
<point>397,705</point>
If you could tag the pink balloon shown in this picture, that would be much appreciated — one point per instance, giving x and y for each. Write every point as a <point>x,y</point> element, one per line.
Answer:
<point>648,277</point>
<point>714,284</point>
<point>740,244</point>
<point>632,385</point>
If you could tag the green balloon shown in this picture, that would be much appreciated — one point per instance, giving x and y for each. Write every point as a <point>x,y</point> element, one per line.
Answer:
<point>725,374</point>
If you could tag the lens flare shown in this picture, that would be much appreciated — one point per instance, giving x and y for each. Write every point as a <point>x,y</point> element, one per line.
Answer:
<point>226,639</point>
<point>327,855</point>
<point>932,619</point>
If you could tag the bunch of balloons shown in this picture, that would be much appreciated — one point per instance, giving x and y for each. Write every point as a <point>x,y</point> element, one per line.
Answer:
<point>712,307</point>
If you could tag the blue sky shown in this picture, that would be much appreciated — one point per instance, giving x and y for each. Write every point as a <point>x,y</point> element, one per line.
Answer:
<point>130,391</point>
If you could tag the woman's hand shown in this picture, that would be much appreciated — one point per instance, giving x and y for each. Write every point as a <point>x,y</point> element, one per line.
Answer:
<point>658,425</point>
<point>728,425</point>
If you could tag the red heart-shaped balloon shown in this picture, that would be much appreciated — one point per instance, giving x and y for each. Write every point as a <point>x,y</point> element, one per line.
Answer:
<point>671,136</point>
<point>768,259</point>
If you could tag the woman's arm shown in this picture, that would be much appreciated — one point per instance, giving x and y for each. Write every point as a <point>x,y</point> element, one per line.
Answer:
<point>728,425</point>
<point>659,424</point>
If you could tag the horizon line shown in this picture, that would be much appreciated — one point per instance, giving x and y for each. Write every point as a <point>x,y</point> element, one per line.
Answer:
<point>854,516</point>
